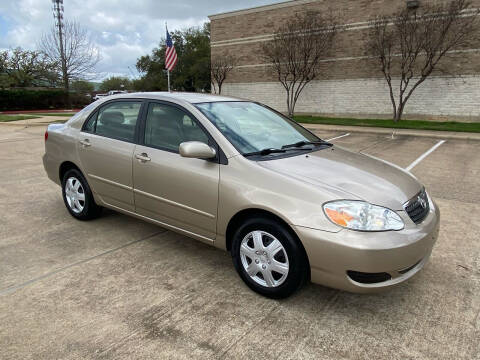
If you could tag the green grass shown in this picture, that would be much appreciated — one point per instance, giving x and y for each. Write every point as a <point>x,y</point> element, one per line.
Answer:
<point>7,118</point>
<point>402,124</point>
<point>54,114</point>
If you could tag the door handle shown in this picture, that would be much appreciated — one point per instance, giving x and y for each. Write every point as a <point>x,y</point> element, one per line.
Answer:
<point>85,143</point>
<point>143,157</point>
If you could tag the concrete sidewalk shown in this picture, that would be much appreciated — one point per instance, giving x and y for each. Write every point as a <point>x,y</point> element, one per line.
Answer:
<point>387,131</point>
<point>47,111</point>
<point>39,121</point>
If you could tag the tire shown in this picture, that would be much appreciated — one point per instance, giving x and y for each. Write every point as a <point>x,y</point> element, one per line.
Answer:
<point>78,197</point>
<point>282,252</point>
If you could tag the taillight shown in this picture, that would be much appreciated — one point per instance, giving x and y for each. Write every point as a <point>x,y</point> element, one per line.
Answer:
<point>46,135</point>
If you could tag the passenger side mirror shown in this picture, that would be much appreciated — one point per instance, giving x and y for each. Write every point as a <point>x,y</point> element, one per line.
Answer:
<point>197,150</point>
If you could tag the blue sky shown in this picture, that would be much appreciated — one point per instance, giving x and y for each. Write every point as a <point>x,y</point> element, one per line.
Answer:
<point>4,26</point>
<point>122,30</point>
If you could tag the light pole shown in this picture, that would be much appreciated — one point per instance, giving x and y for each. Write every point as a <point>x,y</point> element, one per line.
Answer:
<point>58,16</point>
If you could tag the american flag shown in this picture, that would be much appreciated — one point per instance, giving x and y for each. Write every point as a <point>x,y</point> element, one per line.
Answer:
<point>170,54</point>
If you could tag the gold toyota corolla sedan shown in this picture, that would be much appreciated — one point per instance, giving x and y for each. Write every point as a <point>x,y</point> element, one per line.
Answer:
<point>240,176</point>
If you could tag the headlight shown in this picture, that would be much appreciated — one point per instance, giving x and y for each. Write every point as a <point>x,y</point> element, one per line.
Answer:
<point>362,216</point>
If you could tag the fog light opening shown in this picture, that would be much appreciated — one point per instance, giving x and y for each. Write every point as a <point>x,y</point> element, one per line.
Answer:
<point>368,278</point>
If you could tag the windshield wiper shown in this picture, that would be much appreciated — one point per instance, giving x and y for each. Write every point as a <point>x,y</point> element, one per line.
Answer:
<point>265,152</point>
<point>303,143</point>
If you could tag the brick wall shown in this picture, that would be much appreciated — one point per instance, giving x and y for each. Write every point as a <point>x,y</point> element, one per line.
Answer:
<point>349,84</point>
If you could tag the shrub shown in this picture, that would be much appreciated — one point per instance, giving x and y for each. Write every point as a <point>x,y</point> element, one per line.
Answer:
<point>25,99</point>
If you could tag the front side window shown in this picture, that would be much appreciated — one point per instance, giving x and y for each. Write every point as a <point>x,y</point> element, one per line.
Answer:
<point>115,120</point>
<point>251,127</point>
<point>167,126</point>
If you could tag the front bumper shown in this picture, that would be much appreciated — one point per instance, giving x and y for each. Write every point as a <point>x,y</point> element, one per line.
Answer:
<point>399,254</point>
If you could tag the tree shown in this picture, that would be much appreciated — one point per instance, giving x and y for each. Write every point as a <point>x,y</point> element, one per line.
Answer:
<point>81,55</point>
<point>296,50</point>
<point>192,72</point>
<point>83,86</point>
<point>220,68</point>
<point>24,68</point>
<point>410,45</point>
<point>116,83</point>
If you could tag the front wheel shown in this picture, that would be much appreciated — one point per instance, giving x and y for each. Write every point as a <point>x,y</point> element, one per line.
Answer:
<point>268,258</point>
<point>78,197</point>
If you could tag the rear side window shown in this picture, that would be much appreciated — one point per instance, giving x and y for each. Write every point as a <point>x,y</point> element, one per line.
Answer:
<point>166,127</point>
<point>90,125</point>
<point>115,120</point>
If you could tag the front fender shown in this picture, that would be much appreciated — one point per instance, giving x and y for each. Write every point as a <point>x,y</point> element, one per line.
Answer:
<point>246,185</point>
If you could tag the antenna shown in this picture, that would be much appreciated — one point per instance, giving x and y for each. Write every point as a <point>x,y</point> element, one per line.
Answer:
<point>58,9</point>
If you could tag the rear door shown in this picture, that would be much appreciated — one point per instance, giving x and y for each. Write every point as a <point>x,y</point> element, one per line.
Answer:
<point>105,146</point>
<point>180,192</point>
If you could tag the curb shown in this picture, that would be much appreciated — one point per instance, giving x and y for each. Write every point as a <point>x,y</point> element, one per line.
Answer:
<point>14,123</point>
<point>398,132</point>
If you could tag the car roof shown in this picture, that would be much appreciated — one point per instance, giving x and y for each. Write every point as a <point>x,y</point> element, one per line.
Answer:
<point>193,98</point>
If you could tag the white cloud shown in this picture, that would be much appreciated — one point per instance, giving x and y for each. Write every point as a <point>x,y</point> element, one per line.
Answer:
<point>123,30</point>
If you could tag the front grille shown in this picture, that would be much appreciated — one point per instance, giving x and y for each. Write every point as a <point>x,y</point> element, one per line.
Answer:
<point>418,207</point>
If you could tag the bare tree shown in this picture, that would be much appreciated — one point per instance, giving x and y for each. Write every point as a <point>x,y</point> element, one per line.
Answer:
<point>220,68</point>
<point>296,50</point>
<point>80,53</point>
<point>411,44</point>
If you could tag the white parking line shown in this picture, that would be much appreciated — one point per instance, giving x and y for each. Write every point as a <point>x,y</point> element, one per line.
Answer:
<point>424,155</point>
<point>338,137</point>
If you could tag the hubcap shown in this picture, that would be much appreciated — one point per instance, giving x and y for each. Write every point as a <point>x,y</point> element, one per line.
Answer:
<point>75,195</point>
<point>264,258</point>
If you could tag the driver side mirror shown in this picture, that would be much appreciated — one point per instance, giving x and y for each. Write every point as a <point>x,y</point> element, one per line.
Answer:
<point>197,150</point>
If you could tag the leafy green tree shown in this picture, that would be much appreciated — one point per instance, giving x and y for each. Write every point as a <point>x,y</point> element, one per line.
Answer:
<point>5,81</point>
<point>83,87</point>
<point>192,72</point>
<point>26,68</point>
<point>116,83</point>
<point>153,82</point>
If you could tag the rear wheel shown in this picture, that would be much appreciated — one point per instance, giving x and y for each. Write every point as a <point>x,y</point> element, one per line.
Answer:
<point>78,197</point>
<point>268,258</point>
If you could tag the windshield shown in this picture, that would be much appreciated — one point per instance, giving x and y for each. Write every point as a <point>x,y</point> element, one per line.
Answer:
<point>251,127</point>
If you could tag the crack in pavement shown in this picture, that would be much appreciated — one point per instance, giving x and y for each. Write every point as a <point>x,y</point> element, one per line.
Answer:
<point>14,288</point>
<point>245,333</point>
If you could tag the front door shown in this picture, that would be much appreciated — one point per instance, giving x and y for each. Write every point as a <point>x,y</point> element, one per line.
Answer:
<point>180,192</point>
<point>105,146</point>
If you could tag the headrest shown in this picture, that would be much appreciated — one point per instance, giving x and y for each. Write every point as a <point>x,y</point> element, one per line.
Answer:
<point>168,119</point>
<point>112,118</point>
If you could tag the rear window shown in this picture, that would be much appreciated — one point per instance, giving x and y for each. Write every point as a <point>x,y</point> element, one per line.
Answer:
<point>85,110</point>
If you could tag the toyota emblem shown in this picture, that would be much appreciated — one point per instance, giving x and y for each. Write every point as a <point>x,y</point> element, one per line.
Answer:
<point>422,202</point>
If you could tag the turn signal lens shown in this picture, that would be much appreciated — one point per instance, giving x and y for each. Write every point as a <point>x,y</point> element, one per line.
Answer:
<point>362,216</point>
<point>338,217</point>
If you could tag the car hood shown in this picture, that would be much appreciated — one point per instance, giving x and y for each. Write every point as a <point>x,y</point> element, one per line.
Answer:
<point>357,176</point>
